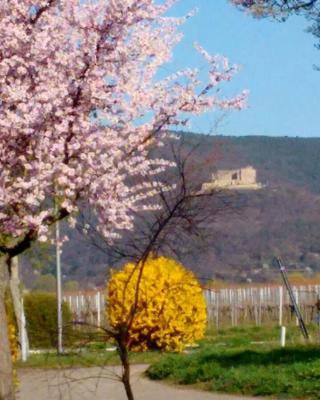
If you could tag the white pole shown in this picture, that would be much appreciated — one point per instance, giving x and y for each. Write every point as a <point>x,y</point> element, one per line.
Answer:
<point>297,300</point>
<point>59,290</point>
<point>77,306</point>
<point>260,306</point>
<point>280,305</point>
<point>232,306</point>
<point>283,336</point>
<point>217,309</point>
<point>24,337</point>
<point>98,303</point>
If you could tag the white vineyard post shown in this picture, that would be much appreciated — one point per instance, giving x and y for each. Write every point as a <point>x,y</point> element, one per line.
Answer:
<point>283,336</point>
<point>98,307</point>
<point>24,336</point>
<point>280,305</point>
<point>297,300</point>
<point>217,309</point>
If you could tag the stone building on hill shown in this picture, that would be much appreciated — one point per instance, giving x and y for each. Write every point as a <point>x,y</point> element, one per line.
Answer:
<point>236,179</point>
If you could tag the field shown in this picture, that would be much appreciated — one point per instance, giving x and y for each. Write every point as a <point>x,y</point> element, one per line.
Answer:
<point>247,361</point>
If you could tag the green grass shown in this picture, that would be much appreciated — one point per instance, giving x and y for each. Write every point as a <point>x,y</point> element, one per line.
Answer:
<point>229,362</point>
<point>85,358</point>
<point>256,335</point>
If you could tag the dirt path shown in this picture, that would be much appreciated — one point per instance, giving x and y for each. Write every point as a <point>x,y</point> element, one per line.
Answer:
<point>101,384</point>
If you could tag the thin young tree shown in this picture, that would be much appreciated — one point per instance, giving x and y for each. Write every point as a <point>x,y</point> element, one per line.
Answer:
<point>80,104</point>
<point>182,216</point>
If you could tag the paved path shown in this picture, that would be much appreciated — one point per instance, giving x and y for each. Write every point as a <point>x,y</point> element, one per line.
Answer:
<point>102,384</point>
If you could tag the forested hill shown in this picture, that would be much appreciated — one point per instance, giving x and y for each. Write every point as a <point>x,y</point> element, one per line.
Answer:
<point>282,219</point>
<point>277,159</point>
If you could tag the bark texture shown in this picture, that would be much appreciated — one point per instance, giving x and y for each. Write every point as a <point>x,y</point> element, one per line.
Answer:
<point>124,356</point>
<point>7,391</point>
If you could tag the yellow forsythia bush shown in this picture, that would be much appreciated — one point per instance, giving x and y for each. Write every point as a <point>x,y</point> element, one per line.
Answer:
<point>171,310</point>
<point>13,341</point>
<point>12,333</point>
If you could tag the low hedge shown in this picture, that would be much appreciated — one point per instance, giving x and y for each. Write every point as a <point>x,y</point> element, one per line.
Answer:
<point>41,318</point>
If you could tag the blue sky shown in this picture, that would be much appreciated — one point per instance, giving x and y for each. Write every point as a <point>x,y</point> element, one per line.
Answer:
<point>276,66</point>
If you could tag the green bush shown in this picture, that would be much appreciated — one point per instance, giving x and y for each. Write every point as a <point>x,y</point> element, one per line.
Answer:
<point>45,283</point>
<point>41,318</point>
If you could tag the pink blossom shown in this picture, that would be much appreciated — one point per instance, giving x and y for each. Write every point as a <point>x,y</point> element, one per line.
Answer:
<point>77,80</point>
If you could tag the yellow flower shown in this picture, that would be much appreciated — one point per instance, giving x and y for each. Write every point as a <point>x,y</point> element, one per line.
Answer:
<point>170,311</point>
<point>12,334</point>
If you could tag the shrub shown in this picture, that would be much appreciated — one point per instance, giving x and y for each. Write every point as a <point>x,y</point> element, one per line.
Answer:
<point>45,283</point>
<point>12,326</point>
<point>171,310</point>
<point>71,286</point>
<point>41,318</point>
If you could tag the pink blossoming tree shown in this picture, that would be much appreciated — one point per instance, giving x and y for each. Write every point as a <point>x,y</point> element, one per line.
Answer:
<point>80,104</point>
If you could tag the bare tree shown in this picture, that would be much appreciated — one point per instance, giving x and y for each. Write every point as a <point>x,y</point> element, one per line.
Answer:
<point>186,213</point>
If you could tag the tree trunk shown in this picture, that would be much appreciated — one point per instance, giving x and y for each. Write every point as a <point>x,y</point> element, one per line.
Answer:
<point>6,374</point>
<point>124,356</point>
<point>18,307</point>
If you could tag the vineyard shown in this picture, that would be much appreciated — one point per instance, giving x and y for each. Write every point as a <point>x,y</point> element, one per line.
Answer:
<point>226,307</point>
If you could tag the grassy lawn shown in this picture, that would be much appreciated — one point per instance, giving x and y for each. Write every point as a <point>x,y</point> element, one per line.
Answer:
<point>84,358</point>
<point>247,361</point>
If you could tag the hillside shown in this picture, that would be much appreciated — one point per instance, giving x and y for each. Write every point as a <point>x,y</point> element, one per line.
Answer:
<point>282,219</point>
<point>277,159</point>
